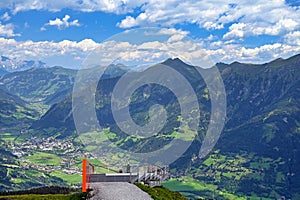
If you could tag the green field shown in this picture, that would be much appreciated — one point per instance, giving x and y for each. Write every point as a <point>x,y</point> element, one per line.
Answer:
<point>69,178</point>
<point>7,137</point>
<point>43,158</point>
<point>191,188</point>
<point>161,193</point>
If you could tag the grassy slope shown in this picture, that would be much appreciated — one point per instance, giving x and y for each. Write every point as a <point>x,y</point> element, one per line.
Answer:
<point>69,178</point>
<point>195,189</point>
<point>191,188</point>
<point>161,193</point>
<point>43,158</point>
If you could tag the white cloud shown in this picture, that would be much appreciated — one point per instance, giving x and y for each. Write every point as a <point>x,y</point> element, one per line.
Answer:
<point>261,54</point>
<point>61,23</point>
<point>273,17</point>
<point>175,11</point>
<point>235,30</point>
<point>175,45</point>
<point>240,30</point>
<point>127,22</point>
<point>172,31</point>
<point>248,18</point>
<point>293,38</point>
<point>261,18</point>
<point>167,31</point>
<point>7,30</point>
<point>155,45</point>
<point>216,14</point>
<point>116,6</point>
<point>175,38</point>
<point>26,25</point>
<point>46,49</point>
<point>283,25</point>
<point>175,34</point>
<point>5,16</point>
<point>212,25</point>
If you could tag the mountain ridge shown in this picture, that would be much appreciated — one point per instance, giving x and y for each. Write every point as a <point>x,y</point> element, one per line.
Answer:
<point>260,137</point>
<point>13,65</point>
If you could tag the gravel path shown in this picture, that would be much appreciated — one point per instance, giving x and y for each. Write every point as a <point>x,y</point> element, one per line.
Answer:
<point>117,191</point>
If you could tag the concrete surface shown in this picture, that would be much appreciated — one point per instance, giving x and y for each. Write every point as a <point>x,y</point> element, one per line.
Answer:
<point>117,191</point>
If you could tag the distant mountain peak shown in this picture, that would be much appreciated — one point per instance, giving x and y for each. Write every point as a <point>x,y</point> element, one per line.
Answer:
<point>295,58</point>
<point>13,65</point>
<point>175,61</point>
<point>118,65</point>
<point>115,70</point>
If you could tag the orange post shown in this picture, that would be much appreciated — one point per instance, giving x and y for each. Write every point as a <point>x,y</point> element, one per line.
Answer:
<point>84,175</point>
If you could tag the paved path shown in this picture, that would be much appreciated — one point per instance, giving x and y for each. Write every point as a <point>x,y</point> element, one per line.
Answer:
<point>117,191</point>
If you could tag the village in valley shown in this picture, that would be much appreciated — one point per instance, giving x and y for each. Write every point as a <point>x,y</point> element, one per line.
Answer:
<point>49,155</point>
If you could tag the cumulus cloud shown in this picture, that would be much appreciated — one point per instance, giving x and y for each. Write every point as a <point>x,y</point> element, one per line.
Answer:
<point>174,45</point>
<point>174,34</point>
<point>61,23</point>
<point>211,25</point>
<point>236,30</point>
<point>214,14</point>
<point>172,31</point>
<point>128,22</point>
<point>240,30</point>
<point>5,17</point>
<point>293,38</point>
<point>246,18</point>
<point>7,30</point>
<point>46,49</point>
<point>116,6</point>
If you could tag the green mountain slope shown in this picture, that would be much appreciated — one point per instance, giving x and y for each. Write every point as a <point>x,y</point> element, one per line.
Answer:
<point>14,111</point>
<point>258,152</point>
<point>46,85</point>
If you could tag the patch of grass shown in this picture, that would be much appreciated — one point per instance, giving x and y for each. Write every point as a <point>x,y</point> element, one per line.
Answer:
<point>7,137</point>
<point>92,138</point>
<point>187,184</point>
<point>161,193</point>
<point>69,178</point>
<point>280,177</point>
<point>18,180</point>
<point>192,187</point>
<point>209,161</point>
<point>259,165</point>
<point>186,134</point>
<point>228,175</point>
<point>43,158</point>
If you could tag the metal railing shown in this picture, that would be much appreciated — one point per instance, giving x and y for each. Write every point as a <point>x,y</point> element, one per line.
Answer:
<point>151,175</point>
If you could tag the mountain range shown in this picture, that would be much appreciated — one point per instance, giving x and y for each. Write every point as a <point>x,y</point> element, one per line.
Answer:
<point>13,65</point>
<point>257,154</point>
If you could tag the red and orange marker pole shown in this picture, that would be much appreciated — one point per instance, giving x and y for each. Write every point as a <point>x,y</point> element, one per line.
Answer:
<point>84,175</point>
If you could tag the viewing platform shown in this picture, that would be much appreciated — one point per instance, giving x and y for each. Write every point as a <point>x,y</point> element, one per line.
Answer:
<point>151,175</point>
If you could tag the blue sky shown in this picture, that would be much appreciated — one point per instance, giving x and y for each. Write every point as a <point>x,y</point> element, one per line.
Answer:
<point>65,32</point>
